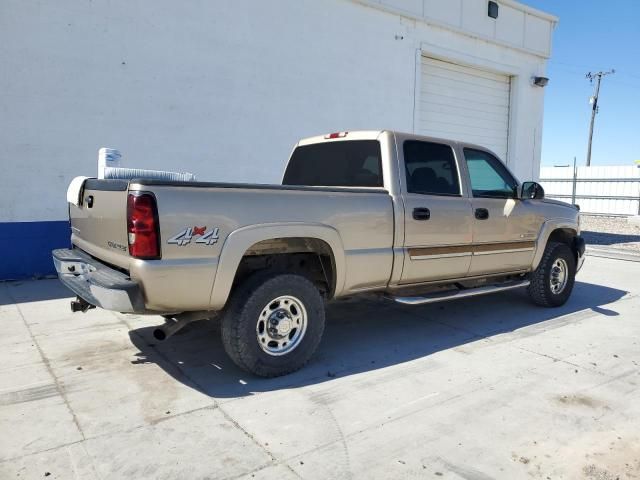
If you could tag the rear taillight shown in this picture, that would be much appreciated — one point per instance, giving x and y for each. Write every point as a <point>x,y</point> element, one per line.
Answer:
<point>142,226</point>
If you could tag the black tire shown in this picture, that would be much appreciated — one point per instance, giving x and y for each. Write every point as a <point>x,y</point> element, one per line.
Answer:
<point>241,316</point>
<point>540,289</point>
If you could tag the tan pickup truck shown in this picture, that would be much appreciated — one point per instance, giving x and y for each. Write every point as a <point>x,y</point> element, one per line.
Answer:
<point>412,218</point>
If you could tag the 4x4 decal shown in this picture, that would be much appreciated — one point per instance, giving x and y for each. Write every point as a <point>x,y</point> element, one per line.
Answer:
<point>201,235</point>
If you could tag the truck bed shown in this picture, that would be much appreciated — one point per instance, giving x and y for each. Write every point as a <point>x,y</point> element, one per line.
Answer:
<point>362,219</point>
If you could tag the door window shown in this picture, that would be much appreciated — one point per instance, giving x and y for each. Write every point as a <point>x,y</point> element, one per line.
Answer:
<point>430,168</point>
<point>489,177</point>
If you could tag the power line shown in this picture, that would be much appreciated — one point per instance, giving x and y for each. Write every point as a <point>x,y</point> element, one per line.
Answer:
<point>568,64</point>
<point>594,103</point>
<point>626,84</point>
<point>578,69</point>
<point>582,65</point>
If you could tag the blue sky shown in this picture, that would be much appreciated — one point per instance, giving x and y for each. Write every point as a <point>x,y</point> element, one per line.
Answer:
<point>592,35</point>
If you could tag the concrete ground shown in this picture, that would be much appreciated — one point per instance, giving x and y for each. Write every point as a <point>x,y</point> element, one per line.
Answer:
<point>492,387</point>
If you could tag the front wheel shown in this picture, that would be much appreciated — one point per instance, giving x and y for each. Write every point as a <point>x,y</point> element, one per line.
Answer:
<point>273,324</point>
<point>552,282</point>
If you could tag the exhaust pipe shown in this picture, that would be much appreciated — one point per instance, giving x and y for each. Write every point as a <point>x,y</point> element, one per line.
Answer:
<point>168,329</point>
<point>176,323</point>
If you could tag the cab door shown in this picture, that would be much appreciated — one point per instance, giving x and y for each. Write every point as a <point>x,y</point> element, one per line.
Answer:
<point>438,227</point>
<point>504,227</point>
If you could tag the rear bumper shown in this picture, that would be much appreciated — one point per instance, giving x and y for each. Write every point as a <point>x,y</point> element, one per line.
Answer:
<point>97,283</point>
<point>579,246</point>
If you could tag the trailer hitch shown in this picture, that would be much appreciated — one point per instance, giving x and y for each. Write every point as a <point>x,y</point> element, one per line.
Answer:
<point>81,305</point>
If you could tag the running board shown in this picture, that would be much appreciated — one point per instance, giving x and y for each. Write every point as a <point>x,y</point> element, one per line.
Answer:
<point>471,292</point>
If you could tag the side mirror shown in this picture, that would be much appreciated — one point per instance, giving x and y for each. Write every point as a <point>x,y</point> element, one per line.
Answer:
<point>530,190</point>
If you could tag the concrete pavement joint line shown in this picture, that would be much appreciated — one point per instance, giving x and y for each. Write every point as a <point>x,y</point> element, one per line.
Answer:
<point>479,336</point>
<point>89,327</point>
<point>73,465</point>
<point>284,462</point>
<point>614,378</point>
<point>561,321</point>
<point>23,387</point>
<point>46,450</point>
<point>475,335</point>
<point>225,414</point>
<point>108,434</point>
<point>379,425</point>
<point>342,439</point>
<point>274,459</point>
<point>277,462</point>
<point>45,360</point>
<point>393,420</point>
<point>165,358</point>
<point>259,469</point>
<point>594,370</point>
<point>575,365</point>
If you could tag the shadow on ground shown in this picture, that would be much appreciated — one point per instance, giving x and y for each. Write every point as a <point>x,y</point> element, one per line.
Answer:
<point>362,335</point>
<point>27,291</point>
<point>602,238</point>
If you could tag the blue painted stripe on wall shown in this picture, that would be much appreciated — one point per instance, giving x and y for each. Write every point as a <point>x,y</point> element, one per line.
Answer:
<point>25,248</point>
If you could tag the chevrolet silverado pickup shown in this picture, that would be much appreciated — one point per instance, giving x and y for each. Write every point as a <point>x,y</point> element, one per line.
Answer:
<point>414,219</point>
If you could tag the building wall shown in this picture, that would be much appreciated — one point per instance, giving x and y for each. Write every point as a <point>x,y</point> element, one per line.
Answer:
<point>224,89</point>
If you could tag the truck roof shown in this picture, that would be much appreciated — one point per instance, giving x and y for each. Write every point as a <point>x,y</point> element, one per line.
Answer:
<point>350,135</point>
<point>375,134</point>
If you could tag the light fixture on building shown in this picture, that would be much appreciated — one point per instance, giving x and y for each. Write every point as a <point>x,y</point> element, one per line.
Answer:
<point>492,9</point>
<point>540,81</point>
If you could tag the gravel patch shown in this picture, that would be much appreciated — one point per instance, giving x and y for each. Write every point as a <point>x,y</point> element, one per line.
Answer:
<point>613,232</point>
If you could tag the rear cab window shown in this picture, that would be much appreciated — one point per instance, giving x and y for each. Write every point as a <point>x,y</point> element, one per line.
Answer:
<point>350,163</point>
<point>430,168</point>
<point>489,177</point>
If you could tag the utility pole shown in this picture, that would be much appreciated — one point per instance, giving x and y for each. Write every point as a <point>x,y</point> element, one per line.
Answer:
<point>594,102</point>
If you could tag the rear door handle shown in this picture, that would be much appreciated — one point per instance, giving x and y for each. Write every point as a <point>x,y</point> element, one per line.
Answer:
<point>482,213</point>
<point>421,214</point>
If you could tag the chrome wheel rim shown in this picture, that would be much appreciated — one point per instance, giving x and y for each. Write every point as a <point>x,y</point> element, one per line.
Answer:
<point>281,325</point>
<point>559,276</point>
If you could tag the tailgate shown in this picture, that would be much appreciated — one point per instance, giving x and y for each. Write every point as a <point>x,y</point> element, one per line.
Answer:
<point>99,222</point>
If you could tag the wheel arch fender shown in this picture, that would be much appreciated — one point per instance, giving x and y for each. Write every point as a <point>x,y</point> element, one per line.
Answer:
<point>241,240</point>
<point>548,228</point>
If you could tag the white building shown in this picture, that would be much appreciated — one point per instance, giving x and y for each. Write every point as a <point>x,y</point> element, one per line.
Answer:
<point>224,89</point>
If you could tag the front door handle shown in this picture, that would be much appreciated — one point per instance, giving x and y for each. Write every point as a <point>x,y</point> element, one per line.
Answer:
<point>421,214</point>
<point>482,213</point>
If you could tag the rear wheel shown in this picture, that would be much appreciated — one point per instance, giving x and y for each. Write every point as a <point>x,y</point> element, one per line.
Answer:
<point>273,324</point>
<point>552,282</point>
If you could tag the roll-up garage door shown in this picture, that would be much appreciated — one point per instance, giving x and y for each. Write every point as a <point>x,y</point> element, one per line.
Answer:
<point>463,103</point>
